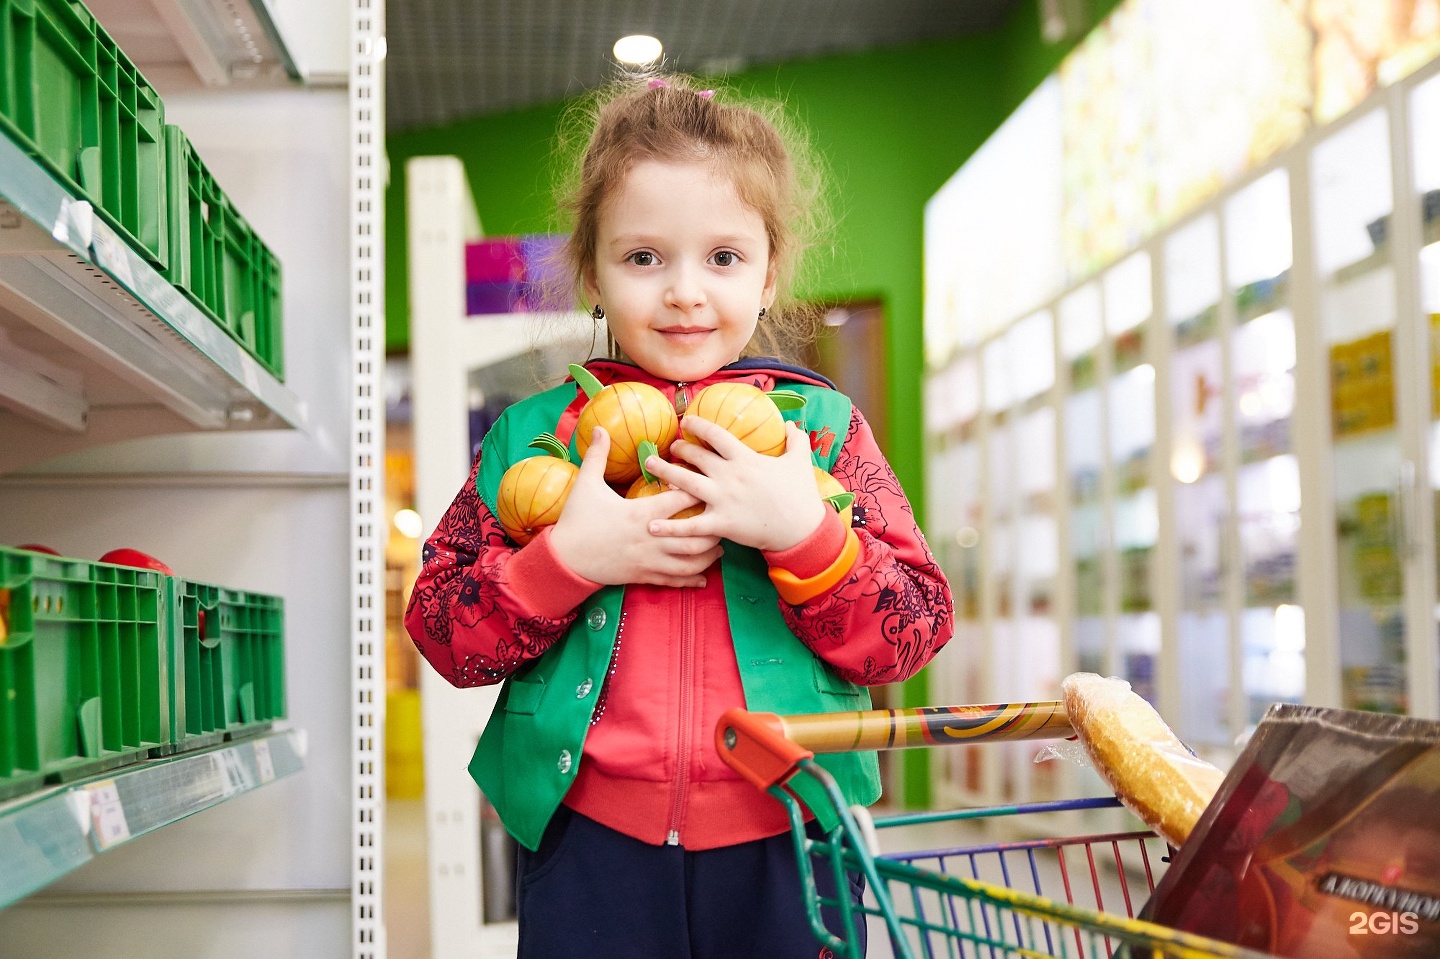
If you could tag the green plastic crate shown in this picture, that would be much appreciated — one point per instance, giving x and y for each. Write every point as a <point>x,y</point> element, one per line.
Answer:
<point>218,260</point>
<point>70,97</point>
<point>227,663</point>
<point>83,671</point>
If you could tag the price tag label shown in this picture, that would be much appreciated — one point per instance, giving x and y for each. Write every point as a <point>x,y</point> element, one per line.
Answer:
<point>234,776</point>
<point>111,254</point>
<point>107,815</point>
<point>263,760</point>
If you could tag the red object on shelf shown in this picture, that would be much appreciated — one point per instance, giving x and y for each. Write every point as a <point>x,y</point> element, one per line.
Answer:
<point>37,548</point>
<point>133,557</point>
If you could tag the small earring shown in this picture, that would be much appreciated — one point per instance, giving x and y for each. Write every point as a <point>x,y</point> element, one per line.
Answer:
<point>762,314</point>
<point>598,313</point>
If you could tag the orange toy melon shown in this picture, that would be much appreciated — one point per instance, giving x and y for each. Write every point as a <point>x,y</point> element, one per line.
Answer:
<point>647,485</point>
<point>748,413</point>
<point>533,491</point>
<point>630,413</point>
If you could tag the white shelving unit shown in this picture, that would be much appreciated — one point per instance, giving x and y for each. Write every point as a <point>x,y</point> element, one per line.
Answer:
<point>446,347</point>
<point>128,419</point>
<point>1244,412</point>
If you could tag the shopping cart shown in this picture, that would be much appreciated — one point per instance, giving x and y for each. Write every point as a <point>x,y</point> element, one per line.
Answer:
<point>993,901</point>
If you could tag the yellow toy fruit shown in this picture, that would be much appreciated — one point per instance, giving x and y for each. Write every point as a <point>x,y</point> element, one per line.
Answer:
<point>533,491</point>
<point>630,413</point>
<point>647,485</point>
<point>751,415</point>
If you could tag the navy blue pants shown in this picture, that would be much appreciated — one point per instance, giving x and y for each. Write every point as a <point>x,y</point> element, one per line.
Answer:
<point>590,892</point>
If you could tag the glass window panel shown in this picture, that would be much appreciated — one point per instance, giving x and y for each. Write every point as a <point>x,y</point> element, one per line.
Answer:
<point>1039,558</point>
<point>1273,646</point>
<point>1127,293</point>
<point>1204,650</point>
<point>999,382</point>
<point>1350,176</point>
<point>1132,420</point>
<point>1139,638</point>
<point>1258,246</point>
<point>1425,137</point>
<point>1197,410</point>
<point>1137,526</point>
<point>964,382</point>
<point>1201,515</point>
<point>1080,322</point>
<point>1192,275</point>
<point>1031,343</point>
<point>1035,451</point>
<point>1263,359</point>
<point>1002,470</point>
<point>1268,502</point>
<point>1083,444</point>
<point>1092,655</point>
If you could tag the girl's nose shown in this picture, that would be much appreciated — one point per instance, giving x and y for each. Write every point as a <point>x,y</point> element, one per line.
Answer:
<point>685,290</point>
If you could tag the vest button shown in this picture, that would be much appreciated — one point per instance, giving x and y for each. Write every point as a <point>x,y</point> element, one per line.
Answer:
<point>564,764</point>
<point>595,619</point>
<point>583,689</point>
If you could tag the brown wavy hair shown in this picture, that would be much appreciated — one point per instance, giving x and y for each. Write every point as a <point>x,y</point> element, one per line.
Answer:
<point>753,142</point>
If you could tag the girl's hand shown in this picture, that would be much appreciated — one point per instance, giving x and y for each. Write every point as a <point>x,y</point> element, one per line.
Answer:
<point>605,538</point>
<point>768,502</point>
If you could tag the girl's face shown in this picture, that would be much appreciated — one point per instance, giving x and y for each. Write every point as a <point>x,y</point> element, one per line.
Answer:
<point>682,268</point>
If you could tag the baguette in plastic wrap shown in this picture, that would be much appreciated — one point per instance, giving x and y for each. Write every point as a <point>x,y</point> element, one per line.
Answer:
<point>1133,749</point>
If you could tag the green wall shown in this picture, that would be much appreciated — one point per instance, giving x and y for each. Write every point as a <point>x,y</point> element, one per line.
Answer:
<point>893,125</point>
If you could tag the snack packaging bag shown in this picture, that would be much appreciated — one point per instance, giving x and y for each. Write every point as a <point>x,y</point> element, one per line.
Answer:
<point>1323,841</point>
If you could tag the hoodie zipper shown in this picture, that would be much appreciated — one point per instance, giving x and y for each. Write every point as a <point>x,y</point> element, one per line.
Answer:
<point>682,398</point>
<point>687,706</point>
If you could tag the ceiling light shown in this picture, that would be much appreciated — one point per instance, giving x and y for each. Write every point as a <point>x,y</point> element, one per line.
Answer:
<point>638,49</point>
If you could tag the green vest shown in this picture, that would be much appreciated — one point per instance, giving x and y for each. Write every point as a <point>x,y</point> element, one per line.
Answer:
<point>531,749</point>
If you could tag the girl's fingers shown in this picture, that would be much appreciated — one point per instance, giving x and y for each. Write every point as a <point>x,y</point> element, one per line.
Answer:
<point>677,476</point>
<point>696,455</point>
<point>667,504</point>
<point>594,459</point>
<point>691,526</point>
<point>796,442</point>
<point>717,437</point>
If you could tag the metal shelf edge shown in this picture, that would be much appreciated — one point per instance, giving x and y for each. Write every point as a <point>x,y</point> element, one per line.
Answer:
<point>44,837</point>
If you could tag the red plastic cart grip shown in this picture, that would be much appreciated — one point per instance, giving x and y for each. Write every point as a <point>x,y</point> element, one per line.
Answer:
<point>754,745</point>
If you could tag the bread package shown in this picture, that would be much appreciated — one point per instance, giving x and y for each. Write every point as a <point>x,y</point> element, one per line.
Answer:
<point>1133,749</point>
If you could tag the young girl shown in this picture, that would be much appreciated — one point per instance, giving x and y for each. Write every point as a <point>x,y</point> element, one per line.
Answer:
<point>621,633</point>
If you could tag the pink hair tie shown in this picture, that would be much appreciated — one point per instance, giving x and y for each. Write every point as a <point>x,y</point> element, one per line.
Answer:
<point>705,94</point>
<point>656,84</point>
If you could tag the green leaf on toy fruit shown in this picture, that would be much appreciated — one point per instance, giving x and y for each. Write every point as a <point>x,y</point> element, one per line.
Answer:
<point>586,379</point>
<point>841,501</point>
<point>786,399</point>
<point>550,443</point>
<point>645,450</point>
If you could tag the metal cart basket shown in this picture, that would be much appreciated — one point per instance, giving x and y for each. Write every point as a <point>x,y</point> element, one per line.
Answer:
<point>988,902</point>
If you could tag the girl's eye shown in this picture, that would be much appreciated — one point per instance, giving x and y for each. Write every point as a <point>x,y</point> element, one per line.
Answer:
<point>725,258</point>
<point>643,258</point>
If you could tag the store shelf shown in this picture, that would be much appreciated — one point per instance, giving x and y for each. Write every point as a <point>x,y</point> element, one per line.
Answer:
<point>45,836</point>
<point>96,346</point>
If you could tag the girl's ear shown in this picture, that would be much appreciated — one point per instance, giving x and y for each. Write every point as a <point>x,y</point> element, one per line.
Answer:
<point>592,289</point>
<point>767,293</point>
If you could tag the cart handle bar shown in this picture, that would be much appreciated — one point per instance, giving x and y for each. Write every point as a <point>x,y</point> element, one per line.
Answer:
<point>765,748</point>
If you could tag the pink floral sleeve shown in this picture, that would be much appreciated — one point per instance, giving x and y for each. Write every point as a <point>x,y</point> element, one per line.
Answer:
<point>465,616</point>
<point>894,612</point>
